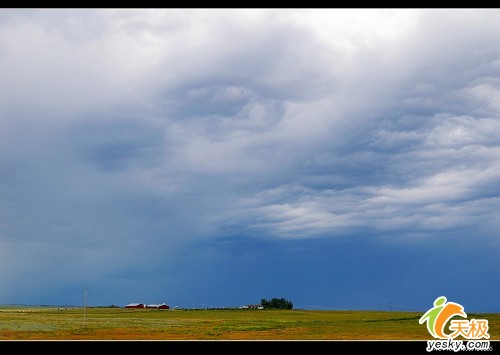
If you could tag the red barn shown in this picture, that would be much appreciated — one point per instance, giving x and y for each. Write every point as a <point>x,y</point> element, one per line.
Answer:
<point>135,305</point>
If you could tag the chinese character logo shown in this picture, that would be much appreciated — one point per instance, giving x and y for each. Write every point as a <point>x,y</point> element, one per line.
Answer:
<point>440,315</point>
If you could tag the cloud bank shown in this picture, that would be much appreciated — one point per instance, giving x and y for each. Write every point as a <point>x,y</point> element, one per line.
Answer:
<point>133,140</point>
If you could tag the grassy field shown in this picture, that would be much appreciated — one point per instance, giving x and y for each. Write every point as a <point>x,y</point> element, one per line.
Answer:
<point>45,323</point>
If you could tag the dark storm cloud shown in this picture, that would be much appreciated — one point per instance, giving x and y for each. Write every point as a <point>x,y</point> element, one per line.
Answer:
<point>134,142</point>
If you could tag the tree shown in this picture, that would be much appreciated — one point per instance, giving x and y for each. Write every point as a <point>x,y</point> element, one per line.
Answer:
<point>276,303</point>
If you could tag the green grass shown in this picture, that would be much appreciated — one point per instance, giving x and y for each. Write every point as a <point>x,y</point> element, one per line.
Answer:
<point>44,323</point>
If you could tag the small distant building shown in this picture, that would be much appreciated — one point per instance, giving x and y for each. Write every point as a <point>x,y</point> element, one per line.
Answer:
<point>158,306</point>
<point>135,305</point>
<point>252,306</point>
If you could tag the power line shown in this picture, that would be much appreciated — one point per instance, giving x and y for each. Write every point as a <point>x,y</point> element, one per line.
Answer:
<point>409,308</point>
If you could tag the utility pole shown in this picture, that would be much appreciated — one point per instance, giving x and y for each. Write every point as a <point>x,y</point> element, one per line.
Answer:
<point>84,305</point>
<point>390,306</point>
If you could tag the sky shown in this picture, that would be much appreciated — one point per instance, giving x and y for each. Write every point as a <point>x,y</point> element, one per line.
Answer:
<point>336,158</point>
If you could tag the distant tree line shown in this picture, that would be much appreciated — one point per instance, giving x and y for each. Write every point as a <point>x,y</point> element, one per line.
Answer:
<point>276,303</point>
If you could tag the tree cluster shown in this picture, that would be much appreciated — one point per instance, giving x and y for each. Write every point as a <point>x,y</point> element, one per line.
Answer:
<point>276,303</point>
